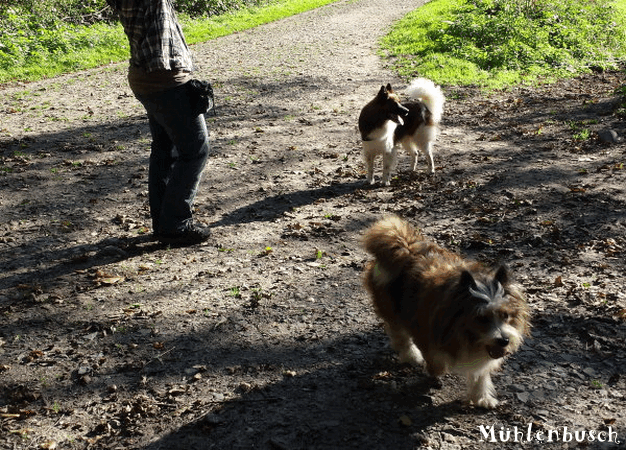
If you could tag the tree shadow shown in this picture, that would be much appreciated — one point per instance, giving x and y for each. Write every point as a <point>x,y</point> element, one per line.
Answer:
<point>272,207</point>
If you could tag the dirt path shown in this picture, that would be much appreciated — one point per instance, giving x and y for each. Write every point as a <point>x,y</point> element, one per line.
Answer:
<point>265,338</point>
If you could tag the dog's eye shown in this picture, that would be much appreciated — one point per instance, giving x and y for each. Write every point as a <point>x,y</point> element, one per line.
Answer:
<point>504,316</point>
<point>482,320</point>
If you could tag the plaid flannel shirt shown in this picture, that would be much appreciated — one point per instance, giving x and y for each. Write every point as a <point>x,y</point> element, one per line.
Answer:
<point>155,36</point>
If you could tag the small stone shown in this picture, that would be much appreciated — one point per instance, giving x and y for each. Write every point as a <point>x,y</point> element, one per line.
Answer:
<point>551,385</point>
<point>405,421</point>
<point>608,136</point>
<point>589,371</point>
<point>421,439</point>
<point>111,250</point>
<point>278,444</point>
<point>517,387</point>
<point>176,391</point>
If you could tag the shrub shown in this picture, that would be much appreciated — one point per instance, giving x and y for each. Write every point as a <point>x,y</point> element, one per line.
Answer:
<point>503,42</point>
<point>35,32</point>
<point>78,12</point>
<point>516,34</point>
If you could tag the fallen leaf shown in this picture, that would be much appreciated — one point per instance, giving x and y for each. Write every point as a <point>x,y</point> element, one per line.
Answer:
<point>107,278</point>
<point>110,280</point>
<point>405,421</point>
<point>35,354</point>
<point>143,230</point>
<point>382,376</point>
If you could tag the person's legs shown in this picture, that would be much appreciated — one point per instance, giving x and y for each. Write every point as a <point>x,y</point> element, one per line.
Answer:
<point>190,137</point>
<point>161,160</point>
<point>174,180</point>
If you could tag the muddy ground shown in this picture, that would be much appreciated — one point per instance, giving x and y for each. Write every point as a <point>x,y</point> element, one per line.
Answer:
<point>264,337</point>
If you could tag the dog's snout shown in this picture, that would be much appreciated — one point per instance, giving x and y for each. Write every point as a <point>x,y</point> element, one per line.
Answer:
<point>503,341</point>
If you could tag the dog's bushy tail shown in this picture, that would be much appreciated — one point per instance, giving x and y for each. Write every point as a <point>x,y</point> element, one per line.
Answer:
<point>425,90</point>
<point>392,242</point>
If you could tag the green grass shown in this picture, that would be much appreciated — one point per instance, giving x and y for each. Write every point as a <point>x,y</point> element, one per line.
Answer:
<point>29,54</point>
<point>489,43</point>
<point>498,43</point>
<point>84,48</point>
<point>223,25</point>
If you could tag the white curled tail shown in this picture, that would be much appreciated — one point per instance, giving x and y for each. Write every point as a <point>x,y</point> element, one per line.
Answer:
<point>425,90</point>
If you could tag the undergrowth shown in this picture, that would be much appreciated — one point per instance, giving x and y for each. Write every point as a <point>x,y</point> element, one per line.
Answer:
<point>43,39</point>
<point>489,43</point>
<point>502,42</point>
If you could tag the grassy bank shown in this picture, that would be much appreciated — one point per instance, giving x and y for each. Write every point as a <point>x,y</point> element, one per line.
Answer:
<point>28,55</point>
<point>495,43</point>
<point>490,43</point>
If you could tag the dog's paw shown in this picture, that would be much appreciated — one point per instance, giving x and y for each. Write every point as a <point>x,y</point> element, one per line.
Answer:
<point>487,402</point>
<point>412,356</point>
<point>385,180</point>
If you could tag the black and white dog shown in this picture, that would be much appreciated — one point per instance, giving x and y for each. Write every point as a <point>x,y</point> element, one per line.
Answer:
<point>385,122</point>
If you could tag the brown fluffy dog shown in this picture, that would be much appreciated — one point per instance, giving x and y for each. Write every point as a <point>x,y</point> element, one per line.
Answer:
<point>453,314</point>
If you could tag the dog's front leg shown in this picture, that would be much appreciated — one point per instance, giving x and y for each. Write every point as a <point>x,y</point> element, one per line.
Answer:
<point>480,390</point>
<point>389,162</point>
<point>369,161</point>
<point>370,150</point>
<point>402,343</point>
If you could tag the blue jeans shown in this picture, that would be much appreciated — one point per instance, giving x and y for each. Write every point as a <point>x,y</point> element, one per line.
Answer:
<point>179,151</point>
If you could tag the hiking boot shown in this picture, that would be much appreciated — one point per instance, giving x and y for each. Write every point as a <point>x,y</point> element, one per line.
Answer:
<point>192,235</point>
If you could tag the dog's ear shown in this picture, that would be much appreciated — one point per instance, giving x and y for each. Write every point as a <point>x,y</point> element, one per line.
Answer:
<point>502,275</point>
<point>382,92</point>
<point>389,89</point>
<point>481,294</point>
<point>467,281</point>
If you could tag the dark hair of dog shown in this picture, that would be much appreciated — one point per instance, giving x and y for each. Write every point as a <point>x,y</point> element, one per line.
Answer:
<point>418,114</point>
<point>385,106</point>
